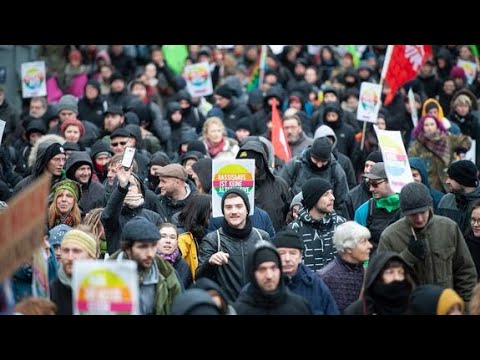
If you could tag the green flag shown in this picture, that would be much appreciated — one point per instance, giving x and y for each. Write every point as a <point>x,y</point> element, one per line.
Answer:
<point>353,51</point>
<point>175,56</point>
<point>474,50</point>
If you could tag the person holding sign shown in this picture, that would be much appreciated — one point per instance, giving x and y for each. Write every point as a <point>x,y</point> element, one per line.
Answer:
<point>223,253</point>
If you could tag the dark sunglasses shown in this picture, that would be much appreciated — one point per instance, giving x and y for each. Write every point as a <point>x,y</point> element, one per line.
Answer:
<point>376,184</point>
<point>123,143</point>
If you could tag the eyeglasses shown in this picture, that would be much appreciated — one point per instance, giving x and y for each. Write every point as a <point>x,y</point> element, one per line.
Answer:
<point>376,184</point>
<point>123,143</point>
<point>475,221</point>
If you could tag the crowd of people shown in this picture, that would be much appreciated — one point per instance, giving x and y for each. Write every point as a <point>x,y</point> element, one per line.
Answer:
<point>328,234</point>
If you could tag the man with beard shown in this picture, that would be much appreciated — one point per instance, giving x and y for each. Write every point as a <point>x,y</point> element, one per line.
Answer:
<point>433,245</point>
<point>316,223</point>
<point>223,253</point>
<point>267,293</point>
<point>159,284</point>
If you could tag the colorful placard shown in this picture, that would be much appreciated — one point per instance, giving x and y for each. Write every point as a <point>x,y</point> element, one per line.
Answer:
<point>369,102</point>
<point>470,69</point>
<point>229,174</point>
<point>199,79</point>
<point>33,79</point>
<point>105,287</point>
<point>395,158</point>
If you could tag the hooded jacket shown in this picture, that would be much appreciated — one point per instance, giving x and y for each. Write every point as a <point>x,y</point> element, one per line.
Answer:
<point>92,192</point>
<point>343,160</point>
<point>272,193</point>
<point>419,164</point>
<point>366,304</point>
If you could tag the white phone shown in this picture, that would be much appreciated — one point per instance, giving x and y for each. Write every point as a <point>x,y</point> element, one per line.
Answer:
<point>128,156</point>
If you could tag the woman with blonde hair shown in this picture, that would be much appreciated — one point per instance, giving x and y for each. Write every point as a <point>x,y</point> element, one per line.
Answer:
<point>64,207</point>
<point>216,140</point>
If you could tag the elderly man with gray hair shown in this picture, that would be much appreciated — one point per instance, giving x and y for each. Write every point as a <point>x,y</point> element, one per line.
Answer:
<point>344,275</point>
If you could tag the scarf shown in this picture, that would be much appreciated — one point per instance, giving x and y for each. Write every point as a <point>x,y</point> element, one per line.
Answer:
<point>437,144</point>
<point>237,233</point>
<point>390,203</point>
<point>214,150</point>
<point>133,201</point>
<point>64,278</point>
<point>170,257</point>
<point>392,298</point>
<point>66,219</point>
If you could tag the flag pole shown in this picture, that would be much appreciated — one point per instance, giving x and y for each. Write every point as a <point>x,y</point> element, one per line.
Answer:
<point>386,62</point>
<point>263,60</point>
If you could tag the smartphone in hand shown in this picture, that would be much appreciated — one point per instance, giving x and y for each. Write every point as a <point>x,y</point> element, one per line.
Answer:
<point>128,156</point>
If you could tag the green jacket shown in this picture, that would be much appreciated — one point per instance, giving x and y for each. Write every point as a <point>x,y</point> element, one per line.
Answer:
<point>447,261</point>
<point>168,287</point>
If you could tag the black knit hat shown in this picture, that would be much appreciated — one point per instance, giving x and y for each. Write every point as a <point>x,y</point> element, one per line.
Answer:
<point>197,145</point>
<point>224,91</point>
<point>464,172</point>
<point>415,198</point>
<point>240,193</point>
<point>288,239</point>
<point>140,229</point>
<point>375,156</point>
<point>265,254</point>
<point>313,190</point>
<point>321,149</point>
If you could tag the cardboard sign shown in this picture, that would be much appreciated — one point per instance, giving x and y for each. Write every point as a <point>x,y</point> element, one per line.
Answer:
<point>22,224</point>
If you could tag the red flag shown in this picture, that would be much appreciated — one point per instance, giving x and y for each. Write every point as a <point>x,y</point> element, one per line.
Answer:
<point>403,65</point>
<point>279,141</point>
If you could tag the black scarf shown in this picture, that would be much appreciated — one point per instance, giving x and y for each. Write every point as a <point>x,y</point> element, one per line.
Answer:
<point>237,233</point>
<point>392,298</point>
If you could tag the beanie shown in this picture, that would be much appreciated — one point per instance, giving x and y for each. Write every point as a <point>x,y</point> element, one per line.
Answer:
<point>321,149</point>
<point>375,156</point>
<point>72,122</point>
<point>56,234</point>
<point>265,254</point>
<point>197,145</point>
<point>224,91</point>
<point>67,102</point>
<point>240,193</point>
<point>53,150</point>
<point>313,190</point>
<point>159,158</point>
<point>140,229</point>
<point>288,239</point>
<point>69,185</point>
<point>297,200</point>
<point>82,239</point>
<point>449,298</point>
<point>464,172</point>
<point>415,198</point>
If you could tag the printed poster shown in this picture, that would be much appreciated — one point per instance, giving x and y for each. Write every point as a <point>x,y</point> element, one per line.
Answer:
<point>229,174</point>
<point>470,69</point>
<point>33,79</point>
<point>199,80</point>
<point>105,287</point>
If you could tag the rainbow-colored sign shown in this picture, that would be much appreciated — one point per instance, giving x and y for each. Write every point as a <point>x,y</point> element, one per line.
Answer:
<point>199,81</point>
<point>232,174</point>
<point>33,79</point>
<point>369,102</point>
<point>101,289</point>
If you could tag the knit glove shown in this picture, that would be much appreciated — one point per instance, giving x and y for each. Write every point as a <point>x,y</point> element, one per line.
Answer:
<point>417,247</point>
